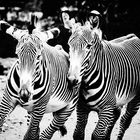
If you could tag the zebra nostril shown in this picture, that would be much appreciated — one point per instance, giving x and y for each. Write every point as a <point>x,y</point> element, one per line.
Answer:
<point>68,76</point>
<point>72,83</point>
<point>75,82</point>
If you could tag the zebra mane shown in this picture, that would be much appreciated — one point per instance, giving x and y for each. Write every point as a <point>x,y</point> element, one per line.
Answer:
<point>34,24</point>
<point>31,24</point>
<point>98,31</point>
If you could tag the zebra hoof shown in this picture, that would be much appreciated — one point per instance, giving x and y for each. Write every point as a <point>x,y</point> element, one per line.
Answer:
<point>0,130</point>
<point>44,139</point>
<point>63,130</point>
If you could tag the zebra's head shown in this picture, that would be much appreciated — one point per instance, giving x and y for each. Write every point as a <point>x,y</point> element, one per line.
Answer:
<point>82,45</point>
<point>29,52</point>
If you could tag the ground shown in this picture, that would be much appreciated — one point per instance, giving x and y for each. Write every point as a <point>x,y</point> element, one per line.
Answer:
<point>16,124</point>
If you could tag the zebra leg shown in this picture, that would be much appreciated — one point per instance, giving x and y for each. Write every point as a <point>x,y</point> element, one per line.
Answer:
<point>82,118</point>
<point>33,130</point>
<point>126,119</point>
<point>107,119</point>
<point>7,105</point>
<point>28,119</point>
<point>59,118</point>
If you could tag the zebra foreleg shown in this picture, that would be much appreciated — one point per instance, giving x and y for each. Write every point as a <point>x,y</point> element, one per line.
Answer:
<point>34,130</point>
<point>126,119</point>
<point>59,118</point>
<point>82,118</point>
<point>7,105</point>
<point>28,117</point>
<point>107,119</point>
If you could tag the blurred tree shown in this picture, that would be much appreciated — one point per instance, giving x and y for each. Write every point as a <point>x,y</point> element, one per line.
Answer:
<point>51,8</point>
<point>34,5</point>
<point>119,16</point>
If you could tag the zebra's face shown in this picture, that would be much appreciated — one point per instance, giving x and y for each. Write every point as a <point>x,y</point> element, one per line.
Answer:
<point>29,59</point>
<point>29,66</point>
<point>80,43</point>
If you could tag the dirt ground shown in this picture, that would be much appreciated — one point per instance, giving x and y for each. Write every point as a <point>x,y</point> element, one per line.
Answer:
<point>16,126</point>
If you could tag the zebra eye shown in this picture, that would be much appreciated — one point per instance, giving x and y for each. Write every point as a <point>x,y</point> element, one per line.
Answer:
<point>68,57</point>
<point>88,46</point>
<point>38,57</point>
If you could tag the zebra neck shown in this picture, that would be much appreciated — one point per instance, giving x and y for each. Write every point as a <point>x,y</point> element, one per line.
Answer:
<point>42,84</point>
<point>95,74</point>
<point>56,64</point>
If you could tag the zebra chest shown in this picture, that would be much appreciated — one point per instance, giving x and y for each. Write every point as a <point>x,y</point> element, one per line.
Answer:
<point>54,104</point>
<point>92,97</point>
<point>28,106</point>
<point>124,97</point>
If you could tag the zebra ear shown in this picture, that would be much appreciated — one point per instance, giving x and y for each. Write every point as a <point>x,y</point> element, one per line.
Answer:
<point>55,31</point>
<point>94,22</point>
<point>68,23</point>
<point>94,17</point>
<point>11,30</point>
<point>50,34</point>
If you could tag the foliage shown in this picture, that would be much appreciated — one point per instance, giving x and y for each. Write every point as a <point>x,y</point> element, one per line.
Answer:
<point>119,17</point>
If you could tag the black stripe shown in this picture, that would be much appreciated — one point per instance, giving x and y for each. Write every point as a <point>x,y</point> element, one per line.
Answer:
<point>45,82</point>
<point>97,95</point>
<point>16,78</point>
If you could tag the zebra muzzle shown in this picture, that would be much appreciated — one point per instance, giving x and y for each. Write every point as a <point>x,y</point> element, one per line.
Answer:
<point>72,83</point>
<point>24,95</point>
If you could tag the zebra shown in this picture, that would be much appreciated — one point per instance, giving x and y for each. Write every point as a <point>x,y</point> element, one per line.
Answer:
<point>38,82</point>
<point>109,74</point>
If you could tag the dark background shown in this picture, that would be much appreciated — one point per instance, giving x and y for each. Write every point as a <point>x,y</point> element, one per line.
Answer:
<point>119,17</point>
